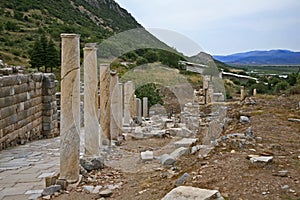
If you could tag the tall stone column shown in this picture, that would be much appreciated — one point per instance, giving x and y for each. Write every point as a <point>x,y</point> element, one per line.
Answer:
<point>145,106</point>
<point>70,108</point>
<point>91,123</point>
<point>120,108</point>
<point>105,136</point>
<point>115,112</point>
<point>243,95</point>
<point>254,92</point>
<point>139,109</point>
<point>127,102</point>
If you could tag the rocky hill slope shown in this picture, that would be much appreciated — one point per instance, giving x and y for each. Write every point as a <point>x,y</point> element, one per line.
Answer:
<point>22,21</point>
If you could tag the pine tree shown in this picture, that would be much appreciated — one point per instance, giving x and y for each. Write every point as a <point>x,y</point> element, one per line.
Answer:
<point>52,57</point>
<point>35,55</point>
<point>43,52</point>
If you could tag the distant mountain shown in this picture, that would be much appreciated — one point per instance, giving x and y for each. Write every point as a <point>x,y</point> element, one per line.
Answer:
<point>272,57</point>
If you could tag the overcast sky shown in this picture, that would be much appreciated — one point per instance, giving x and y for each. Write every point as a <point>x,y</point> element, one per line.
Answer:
<point>223,27</point>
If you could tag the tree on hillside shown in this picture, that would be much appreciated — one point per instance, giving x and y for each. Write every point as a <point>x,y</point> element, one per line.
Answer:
<point>52,56</point>
<point>151,91</point>
<point>44,54</point>
<point>36,59</point>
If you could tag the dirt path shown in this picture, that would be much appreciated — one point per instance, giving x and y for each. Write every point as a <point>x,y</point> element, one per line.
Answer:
<point>225,169</point>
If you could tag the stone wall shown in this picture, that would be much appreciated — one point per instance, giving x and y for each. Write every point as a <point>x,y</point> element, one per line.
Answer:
<point>27,108</point>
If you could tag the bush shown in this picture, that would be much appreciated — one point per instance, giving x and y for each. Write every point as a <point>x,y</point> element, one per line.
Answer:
<point>141,60</point>
<point>151,91</point>
<point>283,85</point>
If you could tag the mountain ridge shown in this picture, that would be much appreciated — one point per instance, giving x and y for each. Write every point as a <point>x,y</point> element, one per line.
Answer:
<point>23,21</point>
<point>262,57</point>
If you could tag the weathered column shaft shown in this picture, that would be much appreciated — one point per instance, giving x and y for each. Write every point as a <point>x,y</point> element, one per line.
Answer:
<point>91,124</point>
<point>128,96</point>
<point>70,108</point>
<point>120,108</point>
<point>139,109</point>
<point>145,106</point>
<point>105,136</point>
<point>242,93</point>
<point>254,92</point>
<point>115,112</point>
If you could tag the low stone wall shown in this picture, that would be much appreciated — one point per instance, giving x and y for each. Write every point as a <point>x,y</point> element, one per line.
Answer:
<point>27,108</point>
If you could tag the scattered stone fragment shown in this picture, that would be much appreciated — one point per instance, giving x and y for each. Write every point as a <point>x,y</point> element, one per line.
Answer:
<point>175,131</point>
<point>186,132</point>
<point>244,119</point>
<point>196,148</point>
<point>182,179</point>
<point>285,187</point>
<point>147,156</point>
<point>166,159</point>
<point>293,120</point>
<point>282,173</point>
<point>186,142</point>
<point>82,171</point>
<point>179,152</point>
<point>63,183</point>
<point>51,190</point>
<point>47,197</point>
<point>249,133</point>
<point>88,188</point>
<point>97,189</point>
<point>106,193</point>
<point>264,159</point>
<point>90,164</point>
<point>187,193</point>
<point>50,180</point>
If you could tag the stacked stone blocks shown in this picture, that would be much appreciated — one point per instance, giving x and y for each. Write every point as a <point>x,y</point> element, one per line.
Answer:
<point>27,108</point>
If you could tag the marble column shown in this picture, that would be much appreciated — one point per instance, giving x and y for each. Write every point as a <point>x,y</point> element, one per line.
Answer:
<point>254,92</point>
<point>145,106</point>
<point>105,136</point>
<point>128,102</point>
<point>120,109</point>
<point>91,123</point>
<point>243,95</point>
<point>70,108</point>
<point>138,109</point>
<point>115,112</point>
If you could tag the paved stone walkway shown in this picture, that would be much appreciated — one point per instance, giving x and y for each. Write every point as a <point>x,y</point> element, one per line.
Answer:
<point>23,168</point>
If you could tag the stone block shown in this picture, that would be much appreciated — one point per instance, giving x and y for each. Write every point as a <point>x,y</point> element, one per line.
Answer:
<point>182,179</point>
<point>90,164</point>
<point>186,142</point>
<point>175,131</point>
<point>244,119</point>
<point>262,159</point>
<point>188,192</point>
<point>63,183</point>
<point>147,155</point>
<point>179,152</point>
<point>51,190</point>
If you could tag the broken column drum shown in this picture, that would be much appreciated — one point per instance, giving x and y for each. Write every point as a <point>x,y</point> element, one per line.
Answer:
<point>70,108</point>
<point>91,128</point>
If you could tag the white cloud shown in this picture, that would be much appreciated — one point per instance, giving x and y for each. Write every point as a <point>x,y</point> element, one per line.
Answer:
<point>216,23</point>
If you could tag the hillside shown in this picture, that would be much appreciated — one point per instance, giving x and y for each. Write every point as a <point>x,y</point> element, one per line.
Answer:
<point>272,57</point>
<point>22,21</point>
